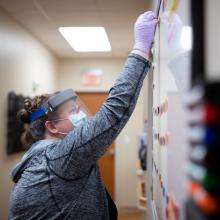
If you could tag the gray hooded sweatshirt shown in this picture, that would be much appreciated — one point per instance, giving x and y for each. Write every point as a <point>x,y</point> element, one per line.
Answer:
<point>60,179</point>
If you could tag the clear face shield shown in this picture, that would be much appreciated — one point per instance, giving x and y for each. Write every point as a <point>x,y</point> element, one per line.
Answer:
<point>79,112</point>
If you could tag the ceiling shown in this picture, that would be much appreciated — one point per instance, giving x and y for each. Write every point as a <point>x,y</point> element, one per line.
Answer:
<point>43,17</point>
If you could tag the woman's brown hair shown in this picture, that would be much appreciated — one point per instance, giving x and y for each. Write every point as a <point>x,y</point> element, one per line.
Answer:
<point>34,131</point>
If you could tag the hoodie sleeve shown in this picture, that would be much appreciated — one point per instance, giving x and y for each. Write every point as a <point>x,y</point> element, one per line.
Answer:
<point>81,148</point>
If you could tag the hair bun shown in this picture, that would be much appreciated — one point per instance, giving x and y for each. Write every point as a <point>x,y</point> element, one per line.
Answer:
<point>28,104</point>
<point>23,116</point>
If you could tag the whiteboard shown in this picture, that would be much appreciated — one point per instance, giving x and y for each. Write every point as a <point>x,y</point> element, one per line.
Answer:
<point>171,78</point>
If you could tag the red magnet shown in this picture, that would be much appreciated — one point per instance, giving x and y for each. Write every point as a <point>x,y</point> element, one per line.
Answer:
<point>211,114</point>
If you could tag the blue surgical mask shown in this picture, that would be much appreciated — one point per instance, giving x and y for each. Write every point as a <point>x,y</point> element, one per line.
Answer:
<point>77,118</point>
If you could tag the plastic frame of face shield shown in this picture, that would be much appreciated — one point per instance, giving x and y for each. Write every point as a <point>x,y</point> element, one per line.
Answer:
<point>55,101</point>
<point>60,98</point>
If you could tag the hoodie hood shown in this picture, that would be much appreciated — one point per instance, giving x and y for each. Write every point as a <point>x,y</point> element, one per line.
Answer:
<point>35,149</point>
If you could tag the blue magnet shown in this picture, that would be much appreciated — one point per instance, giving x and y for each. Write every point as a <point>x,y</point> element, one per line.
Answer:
<point>211,136</point>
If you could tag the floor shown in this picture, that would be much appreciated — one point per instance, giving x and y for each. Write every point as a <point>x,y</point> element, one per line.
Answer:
<point>131,215</point>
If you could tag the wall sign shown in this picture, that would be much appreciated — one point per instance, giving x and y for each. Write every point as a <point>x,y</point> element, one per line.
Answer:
<point>92,76</point>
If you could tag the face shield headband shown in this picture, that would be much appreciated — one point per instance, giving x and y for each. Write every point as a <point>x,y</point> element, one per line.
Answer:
<point>53,103</point>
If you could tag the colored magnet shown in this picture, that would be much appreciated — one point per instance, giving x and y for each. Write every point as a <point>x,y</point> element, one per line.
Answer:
<point>207,203</point>
<point>157,136</point>
<point>211,136</point>
<point>164,192</point>
<point>173,209</point>
<point>167,198</point>
<point>211,115</point>
<point>173,8</point>
<point>167,138</point>
<point>153,85</point>
<point>164,108</point>
<point>158,110</point>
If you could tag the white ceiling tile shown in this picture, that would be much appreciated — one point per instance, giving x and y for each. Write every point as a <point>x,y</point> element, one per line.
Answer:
<point>17,5</point>
<point>43,17</point>
<point>124,5</point>
<point>64,6</point>
<point>76,19</point>
<point>122,19</point>
<point>31,17</point>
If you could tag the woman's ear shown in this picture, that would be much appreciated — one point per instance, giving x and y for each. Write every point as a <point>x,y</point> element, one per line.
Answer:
<point>50,127</point>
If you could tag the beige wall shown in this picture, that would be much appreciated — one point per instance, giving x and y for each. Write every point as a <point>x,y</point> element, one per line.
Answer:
<point>70,73</point>
<point>126,153</point>
<point>22,60</point>
<point>126,159</point>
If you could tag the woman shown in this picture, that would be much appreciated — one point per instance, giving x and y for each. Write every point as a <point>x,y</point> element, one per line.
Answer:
<point>58,178</point>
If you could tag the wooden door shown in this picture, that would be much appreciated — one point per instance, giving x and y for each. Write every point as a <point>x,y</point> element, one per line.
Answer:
<point>93,102</point>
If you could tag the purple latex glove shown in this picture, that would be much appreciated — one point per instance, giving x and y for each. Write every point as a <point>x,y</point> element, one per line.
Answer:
<point>144,30</point>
